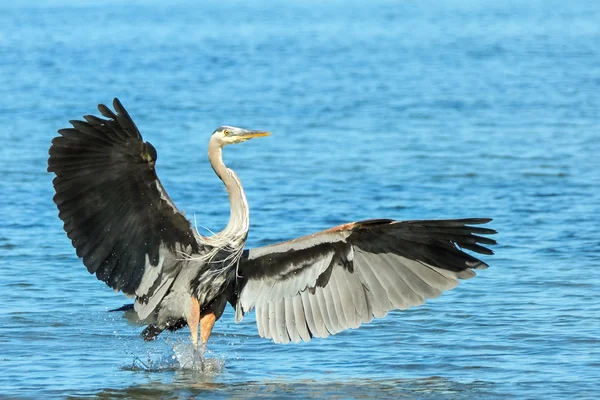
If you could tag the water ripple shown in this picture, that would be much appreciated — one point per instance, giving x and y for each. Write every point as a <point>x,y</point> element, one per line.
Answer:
<point>441,110</point>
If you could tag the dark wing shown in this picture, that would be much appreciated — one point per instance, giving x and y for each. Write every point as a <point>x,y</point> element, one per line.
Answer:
<point>114,208</point>
<point>324,283</point>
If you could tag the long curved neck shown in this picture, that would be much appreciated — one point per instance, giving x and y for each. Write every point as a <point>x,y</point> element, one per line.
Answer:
<point>239,219</point>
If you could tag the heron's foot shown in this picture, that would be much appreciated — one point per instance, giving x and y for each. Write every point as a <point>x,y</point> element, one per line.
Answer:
<point>198,360</point>
<point>199,347</point>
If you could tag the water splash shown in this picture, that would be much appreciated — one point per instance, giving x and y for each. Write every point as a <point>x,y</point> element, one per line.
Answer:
<point>190,358</point>
<point>183,357</point>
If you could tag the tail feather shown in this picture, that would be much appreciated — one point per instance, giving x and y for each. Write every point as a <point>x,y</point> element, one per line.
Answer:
<point>151,332</point>
<point>124,307</point>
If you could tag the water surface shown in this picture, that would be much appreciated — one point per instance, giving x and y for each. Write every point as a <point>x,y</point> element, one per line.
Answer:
<point>379,110</point>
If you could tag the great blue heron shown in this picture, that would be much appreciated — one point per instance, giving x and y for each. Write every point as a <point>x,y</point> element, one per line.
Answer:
<point>129,233</point>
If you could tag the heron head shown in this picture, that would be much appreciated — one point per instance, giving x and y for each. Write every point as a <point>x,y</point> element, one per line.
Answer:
<point>225,135</point>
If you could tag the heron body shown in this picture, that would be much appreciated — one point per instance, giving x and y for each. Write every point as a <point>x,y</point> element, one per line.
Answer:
<point>130,235</point>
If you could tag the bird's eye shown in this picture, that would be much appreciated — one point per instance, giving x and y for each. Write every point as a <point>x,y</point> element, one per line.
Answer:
<point>225,132</point>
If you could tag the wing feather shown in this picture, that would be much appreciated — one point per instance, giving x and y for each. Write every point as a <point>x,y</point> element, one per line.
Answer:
<point>345,295</point>
<point>357,291</point>
<point>319,319</point>
<point>337,279</point>
<point>290,320</point>
<point>379,292</point>
<point>321,302</point>
<point>300,318</point>
<point>405,288</point>
<point>309,316</point>
<point>114,208</point>
<point>331,304</point>
<point>280,322</point>
<point>273,323</point>
<point>415,281</point>
<point>430,274</point>
<point>261,320</point>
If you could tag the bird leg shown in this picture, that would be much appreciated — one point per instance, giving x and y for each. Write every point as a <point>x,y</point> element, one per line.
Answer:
<point>193,320</point>
<point>207,321</point>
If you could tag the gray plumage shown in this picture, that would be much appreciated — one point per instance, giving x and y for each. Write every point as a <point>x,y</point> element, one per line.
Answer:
<point>130,235</point>
<point>351,274</point>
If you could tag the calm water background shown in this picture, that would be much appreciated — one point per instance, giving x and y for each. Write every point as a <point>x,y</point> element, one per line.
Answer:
<point>387,109</point>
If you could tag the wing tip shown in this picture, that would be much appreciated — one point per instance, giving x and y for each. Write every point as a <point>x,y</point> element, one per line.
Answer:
<point>105,111</point>
<point>117,105</point>
<point>477,265</point>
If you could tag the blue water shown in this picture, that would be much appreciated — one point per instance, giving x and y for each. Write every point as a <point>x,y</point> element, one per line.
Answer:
<point>378,109</point>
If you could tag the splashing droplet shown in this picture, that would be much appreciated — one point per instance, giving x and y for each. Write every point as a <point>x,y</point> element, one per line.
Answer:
<point>196,358</point>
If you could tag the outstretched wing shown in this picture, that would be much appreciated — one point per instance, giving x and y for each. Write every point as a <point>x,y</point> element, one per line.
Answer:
<point>324,283</point>
<point>115,210</point>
